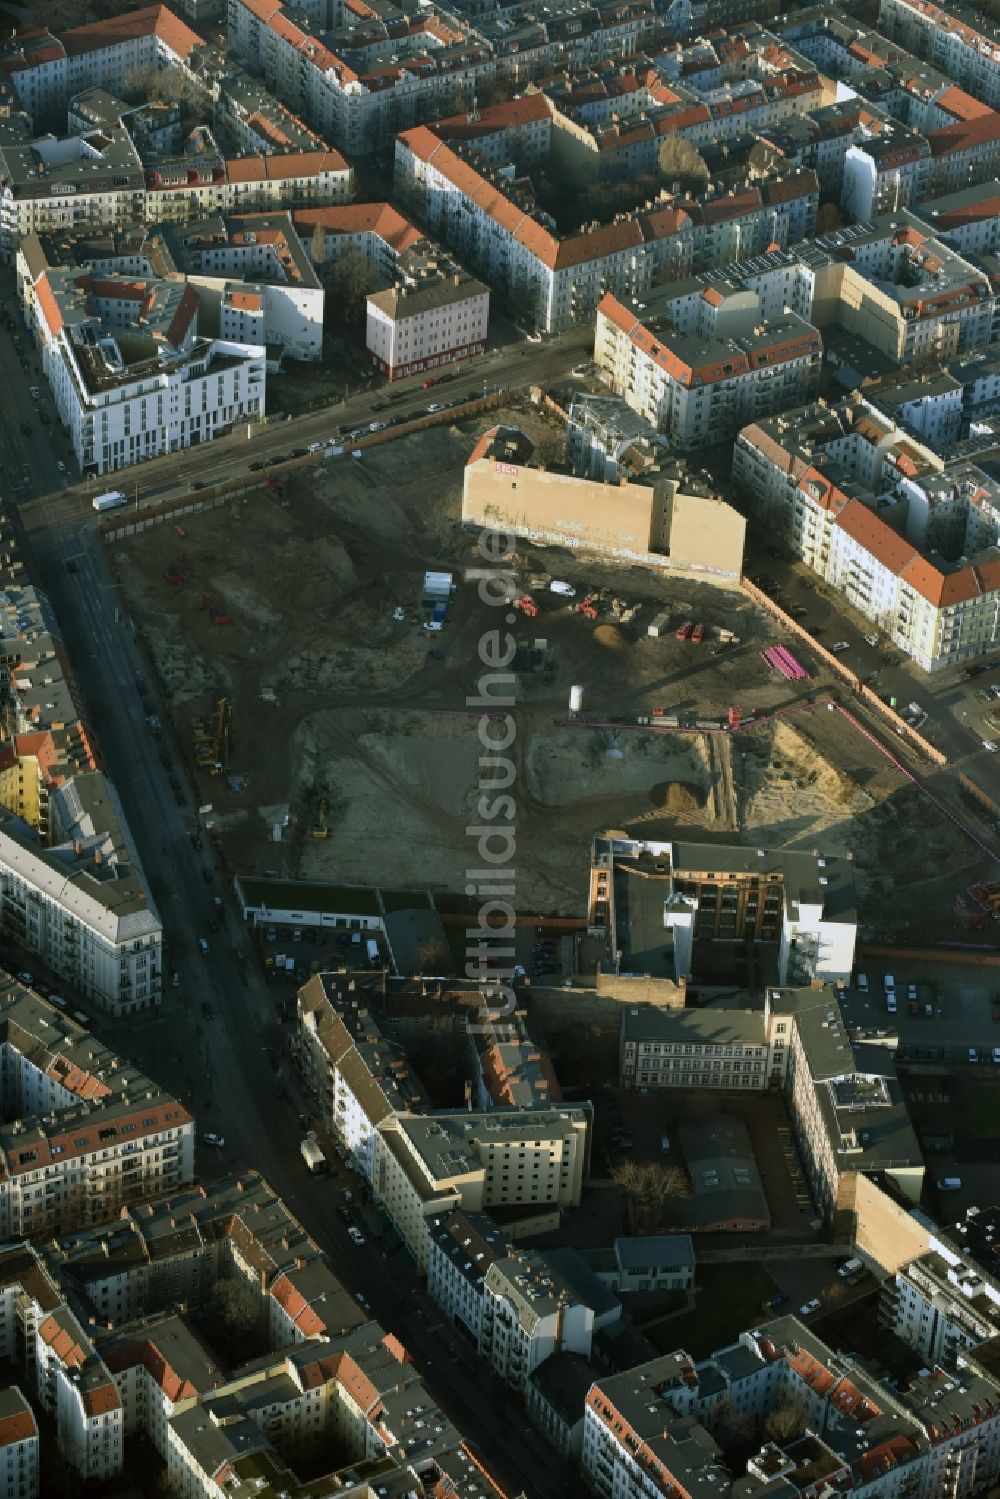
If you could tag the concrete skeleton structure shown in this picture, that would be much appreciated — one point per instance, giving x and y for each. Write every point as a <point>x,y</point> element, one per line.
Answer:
<point>650,903</point>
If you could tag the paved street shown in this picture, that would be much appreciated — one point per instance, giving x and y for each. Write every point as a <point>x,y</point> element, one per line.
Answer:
<point>222,1066</point>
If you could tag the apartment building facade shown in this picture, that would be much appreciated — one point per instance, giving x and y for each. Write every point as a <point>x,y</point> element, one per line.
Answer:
<point>81,901</point>
<point>124,399</point>
<point>19,1475</point>
<point>695,389</point>
<point>866,534</point>
<point>386,77</point>
<point>529,1313</point>
<point>88,1133</point>
<point>462,1248</point>
<point>435,314</point>
<point>967,54</point>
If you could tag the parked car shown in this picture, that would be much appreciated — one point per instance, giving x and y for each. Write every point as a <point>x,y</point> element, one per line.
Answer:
<point>60,466</point>
<point>838,646</point>
<point>27,978</point>
<point>203,943</point>
<point>434,406</point>
<point>809,1307</point>
<point>208,1138</point>
<point>356,1236</point>
<point>871,640</point>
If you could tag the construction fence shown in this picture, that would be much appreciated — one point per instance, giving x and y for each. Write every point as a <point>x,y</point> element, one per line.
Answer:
<point>120,525</point>
<point>849,678</point>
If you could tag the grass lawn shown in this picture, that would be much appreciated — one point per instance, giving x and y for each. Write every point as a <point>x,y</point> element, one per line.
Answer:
<point>728,1298</point>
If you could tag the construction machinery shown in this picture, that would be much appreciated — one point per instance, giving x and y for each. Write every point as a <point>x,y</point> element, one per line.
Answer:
<point>527,606</point>
<point>321,828</point>
<point>588,606</point>
<point>216,613</point>
<point>213,738</point>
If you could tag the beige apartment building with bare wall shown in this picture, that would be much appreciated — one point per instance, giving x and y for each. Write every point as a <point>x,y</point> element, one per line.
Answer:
<point>654,521</point>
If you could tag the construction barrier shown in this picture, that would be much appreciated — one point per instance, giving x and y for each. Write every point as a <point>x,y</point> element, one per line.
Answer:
<point>848,677</point>
<point>978,794</point>
<point>119,525</point>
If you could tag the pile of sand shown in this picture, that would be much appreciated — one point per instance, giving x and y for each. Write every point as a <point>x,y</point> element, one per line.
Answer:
<point>678,799</point>
<point>610,636</point>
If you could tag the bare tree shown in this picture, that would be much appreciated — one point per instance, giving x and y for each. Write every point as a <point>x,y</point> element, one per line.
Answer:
<point>237,1304</point>
<point>679,162</point>
<point>652,1191</point>
<point>350,279</point>
<point>785,1422</point>
<point>433,956</point>
<point>318,246</point>
<point>828,218</point>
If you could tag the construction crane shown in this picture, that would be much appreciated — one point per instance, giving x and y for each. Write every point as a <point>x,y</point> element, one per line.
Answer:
<point>222,737</point>
<point>320,828</point>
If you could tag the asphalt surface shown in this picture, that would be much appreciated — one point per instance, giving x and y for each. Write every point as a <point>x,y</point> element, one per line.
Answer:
<point>229,1067</point>
<point>227,458</point>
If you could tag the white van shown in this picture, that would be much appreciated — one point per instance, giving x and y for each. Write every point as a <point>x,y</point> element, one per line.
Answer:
<point>851,1268</point>
<point>890,984</point>
<point>890,1002</point>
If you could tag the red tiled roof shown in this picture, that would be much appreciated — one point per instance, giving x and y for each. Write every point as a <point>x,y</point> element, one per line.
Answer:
<point>17,1428</point>
<point>871,531</point>
<point>960,104</point>
<point>49,306</point>
<point>101,1399</point>
<point>966,135</point>
<point>380,219</point>
<point>246,301</point>
<point>181,321</point>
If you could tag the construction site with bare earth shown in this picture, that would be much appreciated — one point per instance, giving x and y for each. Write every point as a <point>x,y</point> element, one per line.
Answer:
<point>325,717</point>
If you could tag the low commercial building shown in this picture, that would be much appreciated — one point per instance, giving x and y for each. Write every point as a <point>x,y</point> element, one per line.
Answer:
<point>435,314</point>
<point>727,1193</point>
<point>656,518</point>
<point>646,1262</point>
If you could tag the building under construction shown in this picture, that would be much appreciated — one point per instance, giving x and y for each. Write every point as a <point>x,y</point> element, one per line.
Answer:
<point>655,907</point>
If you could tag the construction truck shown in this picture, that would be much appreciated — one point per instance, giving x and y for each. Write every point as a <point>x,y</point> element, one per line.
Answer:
<point>321,828</point>
<point>312,1154</point>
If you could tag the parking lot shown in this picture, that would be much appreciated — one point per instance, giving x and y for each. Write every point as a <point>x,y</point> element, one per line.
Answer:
<point>943,1013</point>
